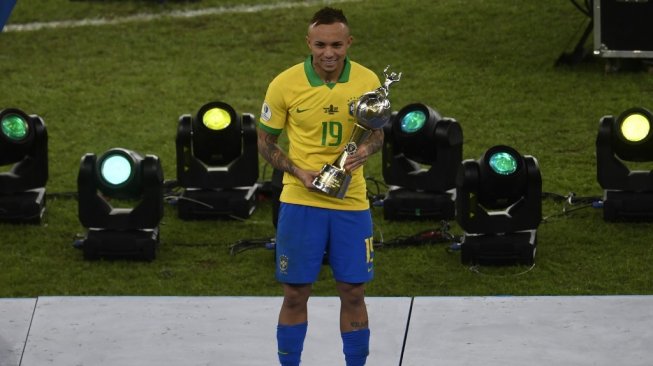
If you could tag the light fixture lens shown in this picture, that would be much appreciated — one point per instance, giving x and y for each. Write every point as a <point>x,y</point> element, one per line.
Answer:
<point>216,119</point>
<point>413,121</point>
<point>14,127</point>
<point>635,127</point>
<point>503,163</point>
<point>116,169</point>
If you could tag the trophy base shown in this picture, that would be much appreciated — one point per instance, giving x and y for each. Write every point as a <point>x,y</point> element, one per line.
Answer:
<point>333,181</point>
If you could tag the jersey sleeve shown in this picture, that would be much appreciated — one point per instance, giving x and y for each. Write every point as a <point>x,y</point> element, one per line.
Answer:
<point>274,110</point>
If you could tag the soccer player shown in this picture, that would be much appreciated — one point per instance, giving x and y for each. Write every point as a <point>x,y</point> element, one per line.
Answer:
<point>310,102</point>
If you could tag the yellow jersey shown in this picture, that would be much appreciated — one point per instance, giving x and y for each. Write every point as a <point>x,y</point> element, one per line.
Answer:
<point>316,118</point>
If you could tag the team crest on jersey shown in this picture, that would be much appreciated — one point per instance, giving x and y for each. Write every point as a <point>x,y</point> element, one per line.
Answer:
<point>283,264</point>
<point>266,112</point>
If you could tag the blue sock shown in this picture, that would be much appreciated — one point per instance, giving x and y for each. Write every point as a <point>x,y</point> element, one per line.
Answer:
<point>356,346</point>
<point>290,343</point>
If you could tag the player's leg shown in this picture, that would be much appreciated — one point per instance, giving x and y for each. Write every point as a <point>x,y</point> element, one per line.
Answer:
<point>351,257</point>
<point>294,309</point>
<point>354,323</point>
<point>353,311</point>
<point>293,323</point>
<point>300,244</point>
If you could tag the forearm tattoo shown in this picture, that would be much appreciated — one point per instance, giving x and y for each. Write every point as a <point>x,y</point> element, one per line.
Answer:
<point>375,141</point>
<point>274,154</point>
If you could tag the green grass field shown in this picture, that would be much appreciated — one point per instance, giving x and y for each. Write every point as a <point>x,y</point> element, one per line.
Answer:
<point>488,63</point>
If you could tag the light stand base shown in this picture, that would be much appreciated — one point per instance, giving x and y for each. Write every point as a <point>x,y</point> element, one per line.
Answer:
<point>23,207</point>
<point>404,204</point>
<point>121,244</point>
<point>627,206</point>
<point>197,204</point>
<point>499,249</point>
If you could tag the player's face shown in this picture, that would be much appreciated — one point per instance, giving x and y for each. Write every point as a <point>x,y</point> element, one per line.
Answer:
<point>329,44</point>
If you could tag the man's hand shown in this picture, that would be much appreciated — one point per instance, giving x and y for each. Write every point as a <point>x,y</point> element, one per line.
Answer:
<point>357,159</point>
<point>373,144</point>
<point>306,176</point>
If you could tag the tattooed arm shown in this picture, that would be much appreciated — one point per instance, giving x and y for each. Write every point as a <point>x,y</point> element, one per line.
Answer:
<point>373,144</point>
<point>272,152</point>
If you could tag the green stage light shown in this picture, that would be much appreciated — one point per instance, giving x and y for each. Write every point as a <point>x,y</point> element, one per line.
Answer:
<point>499,206</point>
<point>14,127</point>
<point>118,173</point>
<point>421,154</point>
<point>413,121</point>
<point>503,163</point>
<point>116,170</point>
<point>24,152</point>
<point>136,182</point>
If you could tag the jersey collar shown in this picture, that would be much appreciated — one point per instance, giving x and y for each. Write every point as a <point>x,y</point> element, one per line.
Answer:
<point>315,80</point>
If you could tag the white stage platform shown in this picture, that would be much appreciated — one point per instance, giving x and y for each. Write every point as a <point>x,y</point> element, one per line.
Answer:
<point>234,331</point>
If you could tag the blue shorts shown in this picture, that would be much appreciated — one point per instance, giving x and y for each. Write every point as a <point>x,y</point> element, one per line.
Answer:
<point>305,234</point>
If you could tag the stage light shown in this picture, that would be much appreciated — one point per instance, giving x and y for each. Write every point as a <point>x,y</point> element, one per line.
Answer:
<point>217,163</point>
<point>499,206</point>
<point>624,156</point>
<point>121,204</point>
<point>24,158</point>
<point>418,136</point>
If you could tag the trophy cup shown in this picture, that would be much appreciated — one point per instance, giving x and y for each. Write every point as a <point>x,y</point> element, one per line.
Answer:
<point>371,111</point>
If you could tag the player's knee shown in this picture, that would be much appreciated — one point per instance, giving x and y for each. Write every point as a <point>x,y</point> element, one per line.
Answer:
<point>294,304</point>
<point>352,295</point>
<point>295,297</point>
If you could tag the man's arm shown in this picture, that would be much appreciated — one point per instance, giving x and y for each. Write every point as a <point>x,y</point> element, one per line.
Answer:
<point>372,145</point>
<point>272,152</point>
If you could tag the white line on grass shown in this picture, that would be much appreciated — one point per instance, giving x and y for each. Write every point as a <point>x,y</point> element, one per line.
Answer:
<point>144,17</point>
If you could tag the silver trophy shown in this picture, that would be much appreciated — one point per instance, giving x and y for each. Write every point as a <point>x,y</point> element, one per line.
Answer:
<point>371,110</point>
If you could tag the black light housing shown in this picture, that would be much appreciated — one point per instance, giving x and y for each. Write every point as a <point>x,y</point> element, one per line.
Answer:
<point>127,178</point>
<point>499,206</point>
<point>623,141</point>
<point>217,163</point>
<point>24,148</point>
<point>417,135</point>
